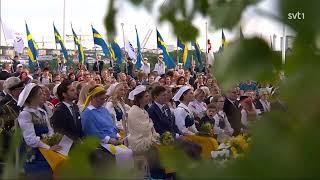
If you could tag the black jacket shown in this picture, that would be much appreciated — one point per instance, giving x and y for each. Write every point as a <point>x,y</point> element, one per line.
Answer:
<point>234,116</point>
<point>64,123</point>
<point>161,122</point>
<point>4,75</point>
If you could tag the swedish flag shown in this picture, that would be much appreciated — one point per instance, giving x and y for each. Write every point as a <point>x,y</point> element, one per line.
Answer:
<point>59,40</point>
<point>139,55</point>
<point>167,59</point>
<point>198,53</point>
<point>32,48</point>
<point>185,57</point>
<point>81,55</point>
<point>116,52</point>
<point>98,40</point>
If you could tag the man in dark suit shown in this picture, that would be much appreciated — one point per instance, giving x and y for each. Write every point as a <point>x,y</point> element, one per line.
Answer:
<point>159,112</point>
<point>232,111</point>
<point>66,117</point>
<point>6,71</point>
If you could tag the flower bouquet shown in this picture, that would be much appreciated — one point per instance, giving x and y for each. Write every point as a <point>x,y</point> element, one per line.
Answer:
<point>206,129</point>
<point>52,140</point>
<point>235,148</point>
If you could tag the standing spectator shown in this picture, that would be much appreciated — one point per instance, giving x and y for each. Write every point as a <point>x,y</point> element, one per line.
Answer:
<point>15,63</point>
<point>232,111</point>
<point>189,79</point>
<point>6,71</point>
<point>24,77</point>
<point>160,66</point>
<point>145,66</point>
<point>45,77</point>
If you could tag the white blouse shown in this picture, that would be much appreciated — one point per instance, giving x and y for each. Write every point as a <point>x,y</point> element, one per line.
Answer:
<point>266,105</point>
<point>27,127</point>
<point>198,108</point>
<point>109,106</point>
<point>227,129</point>
<point>180,113</point>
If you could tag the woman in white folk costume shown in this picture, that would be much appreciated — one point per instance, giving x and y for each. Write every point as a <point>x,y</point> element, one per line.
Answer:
<point>184,116</point>
<point>115,103</point>
<point>97,121</point>
<point>222,127</point>
<point>34,124</point>
<point>198,107</point>
<point>140,126</point>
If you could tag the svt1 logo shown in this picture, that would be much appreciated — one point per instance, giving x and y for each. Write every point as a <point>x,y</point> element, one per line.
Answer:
<point>295,16</point>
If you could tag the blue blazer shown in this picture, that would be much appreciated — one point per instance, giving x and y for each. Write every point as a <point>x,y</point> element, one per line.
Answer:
<point>161,122</point>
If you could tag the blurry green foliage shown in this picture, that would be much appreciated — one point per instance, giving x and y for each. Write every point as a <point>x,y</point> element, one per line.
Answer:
<point>285,143</point>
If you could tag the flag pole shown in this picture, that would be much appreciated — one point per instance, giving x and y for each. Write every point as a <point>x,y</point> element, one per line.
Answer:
<point>124,47</point>
<point>64,20</point>
<point>177,54</point>
<point>206,41</point>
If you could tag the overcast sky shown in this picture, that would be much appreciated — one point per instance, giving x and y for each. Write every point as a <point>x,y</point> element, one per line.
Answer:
<point>40,14</point>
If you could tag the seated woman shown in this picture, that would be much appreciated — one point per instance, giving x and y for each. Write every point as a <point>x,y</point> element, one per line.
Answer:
<point>198,107</point>
<point>34,124</point>
<point>184,116</point>
<point>140,126</point>
<point>97,121</point>
<point>116,105</point>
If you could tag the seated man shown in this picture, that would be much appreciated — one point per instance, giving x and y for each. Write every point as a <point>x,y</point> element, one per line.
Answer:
<point>159,112</point>
<point>97,121</point>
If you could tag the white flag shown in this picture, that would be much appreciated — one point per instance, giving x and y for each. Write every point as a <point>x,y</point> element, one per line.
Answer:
<point>18,43</point>
<point>130,50</point>
<point>8,33</point>
<point>13,38</point>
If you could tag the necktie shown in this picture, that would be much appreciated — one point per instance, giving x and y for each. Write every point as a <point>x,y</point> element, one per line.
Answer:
<point>165,110</point>
<point>73,111</point>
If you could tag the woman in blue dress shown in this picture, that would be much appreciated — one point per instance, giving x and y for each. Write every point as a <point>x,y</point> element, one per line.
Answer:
<point>34,125</point>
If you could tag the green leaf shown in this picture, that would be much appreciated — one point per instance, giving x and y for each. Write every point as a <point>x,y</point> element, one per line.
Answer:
<point>246,59</point>
<point>109,20</point>
<point>309,11</point>
<point>227,13</point>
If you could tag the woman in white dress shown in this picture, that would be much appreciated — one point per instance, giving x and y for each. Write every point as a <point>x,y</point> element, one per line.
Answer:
<point>184,116</point>
<point>198,107</point>
<point>116,104</point>
<point>34,124</point>
<point>142,134</point>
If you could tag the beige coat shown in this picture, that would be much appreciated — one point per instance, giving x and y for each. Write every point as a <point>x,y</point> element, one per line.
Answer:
<point>141,130</point>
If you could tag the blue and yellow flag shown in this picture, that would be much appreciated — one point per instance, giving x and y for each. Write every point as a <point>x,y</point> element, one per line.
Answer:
<point>139,55</point>
<point>198,53</point>
<point>32,48</point>
<point>185,56</point>
<point>59,40</point>
<point>167,59</point>
<point>81,55</point>
<point>115,52</point>
<point>98,40</point>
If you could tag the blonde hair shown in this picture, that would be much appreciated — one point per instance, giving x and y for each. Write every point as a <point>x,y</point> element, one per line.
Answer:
<point>114,96</point>
<point>83,96</point>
